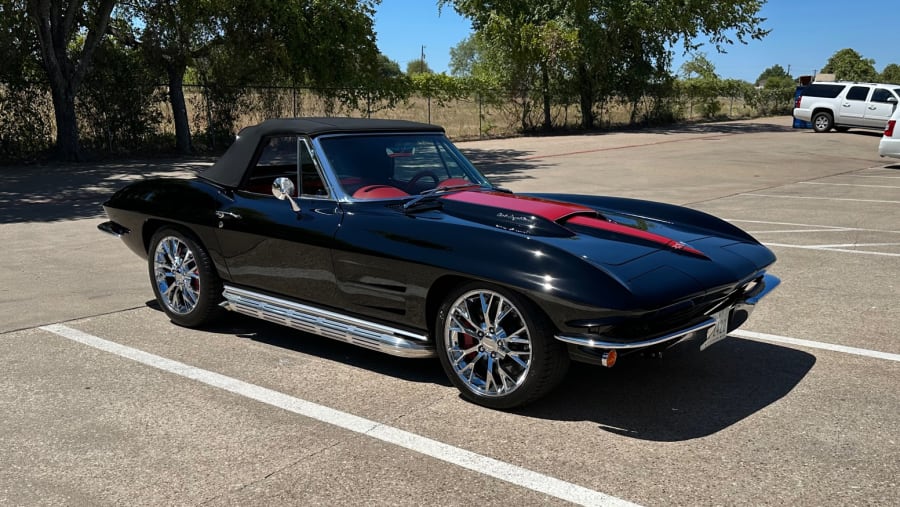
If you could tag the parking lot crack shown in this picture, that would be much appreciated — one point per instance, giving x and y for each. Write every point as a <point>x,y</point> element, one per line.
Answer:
<point>277,471</point>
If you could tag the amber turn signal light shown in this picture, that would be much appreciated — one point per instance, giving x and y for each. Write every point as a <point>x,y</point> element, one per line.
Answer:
<point>609,358</point>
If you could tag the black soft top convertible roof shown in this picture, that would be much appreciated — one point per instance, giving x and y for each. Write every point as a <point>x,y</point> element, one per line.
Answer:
<point>229,170</point>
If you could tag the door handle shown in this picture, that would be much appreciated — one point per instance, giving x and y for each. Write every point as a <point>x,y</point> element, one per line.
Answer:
<point>227,214</point>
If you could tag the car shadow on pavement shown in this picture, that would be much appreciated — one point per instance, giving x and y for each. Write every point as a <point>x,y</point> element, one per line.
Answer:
<point>72,191</point>
<point>685,395</point>
<point>412,370</point>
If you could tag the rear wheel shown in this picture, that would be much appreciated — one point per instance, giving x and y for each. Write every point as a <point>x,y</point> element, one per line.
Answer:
<point>822,121</point>
<point>497,348</point>
<point>184,279</point>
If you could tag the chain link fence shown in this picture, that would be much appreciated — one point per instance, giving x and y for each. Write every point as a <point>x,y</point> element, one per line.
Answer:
<point>216,114</point>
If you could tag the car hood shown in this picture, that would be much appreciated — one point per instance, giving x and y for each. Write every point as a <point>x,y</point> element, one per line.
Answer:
<point>645,253</point>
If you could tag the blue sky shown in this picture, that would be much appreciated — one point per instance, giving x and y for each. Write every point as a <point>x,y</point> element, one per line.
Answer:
<point>804,34</point>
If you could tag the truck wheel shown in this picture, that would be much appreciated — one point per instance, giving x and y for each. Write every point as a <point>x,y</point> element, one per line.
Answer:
<point>822,121</point>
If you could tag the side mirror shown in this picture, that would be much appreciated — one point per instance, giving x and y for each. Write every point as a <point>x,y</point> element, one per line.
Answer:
<point>892,100</point>
<point>283,188</point>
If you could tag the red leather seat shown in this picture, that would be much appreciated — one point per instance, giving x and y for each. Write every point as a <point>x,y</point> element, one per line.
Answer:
<point>379,192</point>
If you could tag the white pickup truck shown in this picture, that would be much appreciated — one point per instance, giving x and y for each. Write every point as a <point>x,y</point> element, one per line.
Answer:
<point>842,105</point>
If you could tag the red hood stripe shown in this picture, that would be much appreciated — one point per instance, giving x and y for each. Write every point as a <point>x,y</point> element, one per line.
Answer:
<point>606,225</point>
<point>551,210</point>
<point>565,212</point>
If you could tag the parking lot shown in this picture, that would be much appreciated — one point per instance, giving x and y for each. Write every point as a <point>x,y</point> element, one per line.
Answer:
<point>104,401</point>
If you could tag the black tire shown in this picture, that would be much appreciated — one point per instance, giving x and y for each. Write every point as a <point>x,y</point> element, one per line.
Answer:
<point>822,121</point>
<point>496,347</point>
<point>183,278</point>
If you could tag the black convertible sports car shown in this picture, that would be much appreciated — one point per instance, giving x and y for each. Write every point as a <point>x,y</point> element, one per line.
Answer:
<point>380,233</point>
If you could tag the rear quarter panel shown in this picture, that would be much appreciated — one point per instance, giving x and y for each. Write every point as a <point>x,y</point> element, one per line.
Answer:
<point>145,206</point>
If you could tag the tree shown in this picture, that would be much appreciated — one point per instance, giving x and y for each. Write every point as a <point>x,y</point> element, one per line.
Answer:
<point>605,25</point>
<point>172,35</point>
<point>529,42</point>
<point>464,56</point>
<point>890,74</point>
<point>775,71</point>
<point>418,66</point>
<point>25,127</point>
<point>699,67</point>
<point>609,46</point>
<point>329,44</point>
<point>848,65</point>
<point>68,33</point>
<point>701,82</point>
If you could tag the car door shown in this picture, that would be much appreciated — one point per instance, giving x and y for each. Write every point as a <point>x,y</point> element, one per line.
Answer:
<point>880,107</point>
<point>853,106</point>
<point>267,245</point>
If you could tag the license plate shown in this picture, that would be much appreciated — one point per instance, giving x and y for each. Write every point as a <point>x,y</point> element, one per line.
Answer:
<point>719,331</point>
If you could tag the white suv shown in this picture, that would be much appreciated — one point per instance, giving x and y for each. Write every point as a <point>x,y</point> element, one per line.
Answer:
<point>842,105</point>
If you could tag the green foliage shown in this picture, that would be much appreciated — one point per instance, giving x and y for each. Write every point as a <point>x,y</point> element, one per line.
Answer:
<point>774,72</point>
<point>699,67</point>
<point>702,85</point>
<point>440,87</point>
<point>118,104</point>
<point>26,121</point>
<point>465,56</point>
<point>25,109</point>
<point>599,51</point>
<point>848,65</point>
<point>890,74</point>
<point>418,67</point>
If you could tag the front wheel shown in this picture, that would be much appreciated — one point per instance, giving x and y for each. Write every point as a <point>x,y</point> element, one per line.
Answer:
<point>822,121</point>
<point>184,279</point>
<point>497,348</point>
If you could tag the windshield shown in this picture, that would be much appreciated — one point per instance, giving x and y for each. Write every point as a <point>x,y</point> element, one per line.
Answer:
<point>386,166</point>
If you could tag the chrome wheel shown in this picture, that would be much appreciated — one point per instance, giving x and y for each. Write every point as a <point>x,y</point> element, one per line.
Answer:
<point>488,343</point>
<point>177,275</point>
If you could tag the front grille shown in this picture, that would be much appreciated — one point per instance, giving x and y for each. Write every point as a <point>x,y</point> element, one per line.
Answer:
<point>676,316</point>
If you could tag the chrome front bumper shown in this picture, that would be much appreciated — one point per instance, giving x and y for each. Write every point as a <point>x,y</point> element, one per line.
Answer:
<point>740,311</point>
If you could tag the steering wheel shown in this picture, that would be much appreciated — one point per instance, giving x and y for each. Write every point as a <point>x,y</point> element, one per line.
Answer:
<point>411,186</point>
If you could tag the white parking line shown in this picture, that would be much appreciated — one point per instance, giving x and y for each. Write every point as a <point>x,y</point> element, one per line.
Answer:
<point>827,249</point>
<point>873,176</point>
<point>815,345</point>
<point>820,198</point>
<point>782,231</point>
<point>845,184</point>
<point>832,227</point>
<point>855,245</point>
<point>466,459</point>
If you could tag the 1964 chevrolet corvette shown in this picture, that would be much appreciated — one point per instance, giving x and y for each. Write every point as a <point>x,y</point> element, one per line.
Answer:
<point>380,233</point>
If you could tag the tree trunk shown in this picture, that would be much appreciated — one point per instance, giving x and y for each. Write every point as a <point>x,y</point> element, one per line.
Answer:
<point>586,98</point>
<point>179,108</point>
<point>545,82</point>
<point>67,145</point>
<point>56,24</point>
